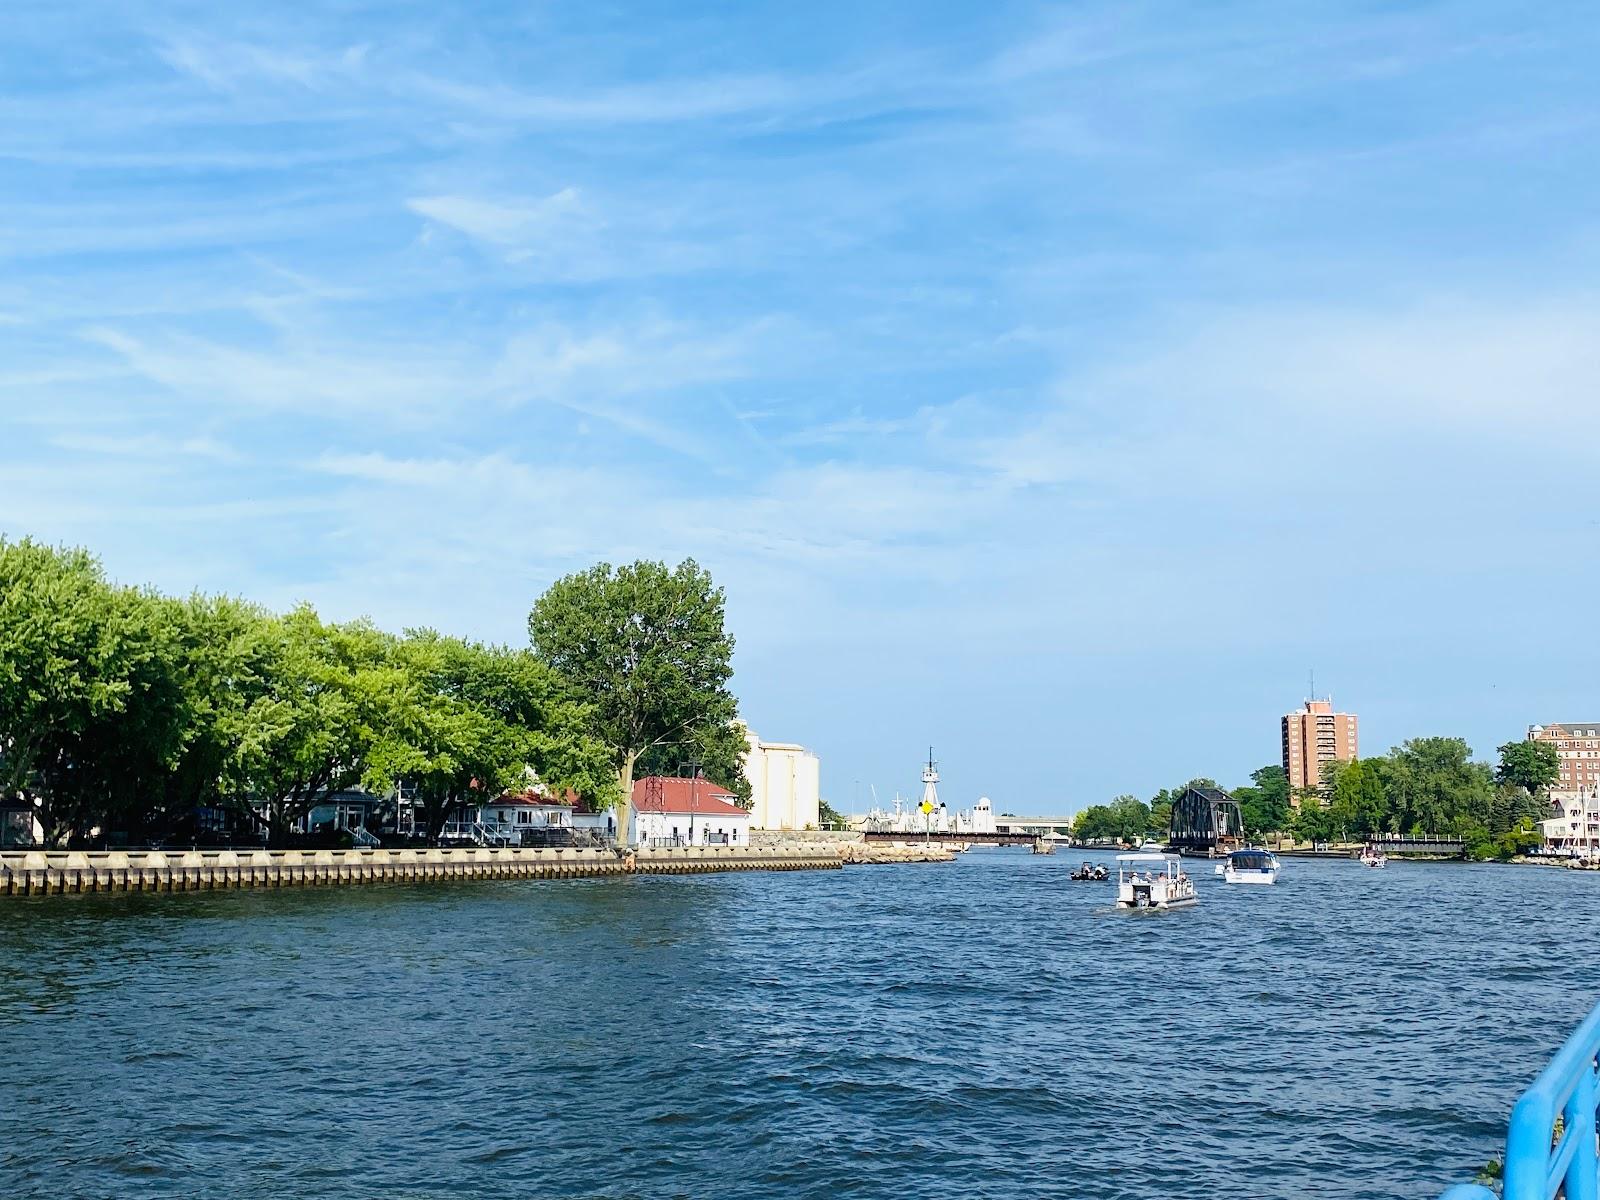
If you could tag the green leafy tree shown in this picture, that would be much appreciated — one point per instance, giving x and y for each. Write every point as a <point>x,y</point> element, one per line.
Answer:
<point>1161,812</point>
<point>116,771</point>
<point>1529,765</point>
<point>1095,823</point>
<point>226,651</point>
<point>1513,809</point>
<point>1358,802</point>
<point>1313,823</point>
<point>1433,786</point>
<point>448,747</point>
<point>97,696</point>
<point>332,690</point>
<point>60,668</point>
<point>1265,804</point>
<point>1130,818</point>
<point>645,649</point>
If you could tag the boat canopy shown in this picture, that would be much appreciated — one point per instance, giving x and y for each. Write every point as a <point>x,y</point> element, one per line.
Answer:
<point>1147,858</point>
<point>1250,858</point>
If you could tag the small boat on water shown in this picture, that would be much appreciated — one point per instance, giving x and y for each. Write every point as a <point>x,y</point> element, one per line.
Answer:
<point>1249,866</point>
<point>1154,881</point>
<point>1152,848</point>
<point>1373,857</point>
<point>1089,871</point>
<point>1043,846</point>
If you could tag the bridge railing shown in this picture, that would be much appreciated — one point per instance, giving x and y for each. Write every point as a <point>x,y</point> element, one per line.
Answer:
<point>1550,1141</point>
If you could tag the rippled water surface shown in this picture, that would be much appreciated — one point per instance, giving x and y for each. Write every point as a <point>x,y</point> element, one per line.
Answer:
<point>985,1028</point>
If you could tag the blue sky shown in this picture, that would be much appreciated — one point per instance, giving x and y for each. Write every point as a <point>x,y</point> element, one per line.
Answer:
<point>1051,384</point>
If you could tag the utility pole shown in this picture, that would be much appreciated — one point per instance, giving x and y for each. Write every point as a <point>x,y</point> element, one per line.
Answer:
<point>694,794</point>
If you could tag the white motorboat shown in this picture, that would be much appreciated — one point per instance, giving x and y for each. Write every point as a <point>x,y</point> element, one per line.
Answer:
<point>1151,848</point>
<point>1373,857</point>
<point>1249,866</point>
<point>1155,881</point>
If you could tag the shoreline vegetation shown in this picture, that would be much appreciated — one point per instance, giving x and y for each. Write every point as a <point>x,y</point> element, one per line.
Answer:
<point>1425,786</point>
<point>131,717</point>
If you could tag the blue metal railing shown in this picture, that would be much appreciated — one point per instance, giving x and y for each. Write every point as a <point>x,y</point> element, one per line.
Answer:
<point>1550,1142</point>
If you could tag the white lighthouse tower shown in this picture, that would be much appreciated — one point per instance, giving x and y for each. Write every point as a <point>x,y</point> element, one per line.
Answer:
<point>935,818</point>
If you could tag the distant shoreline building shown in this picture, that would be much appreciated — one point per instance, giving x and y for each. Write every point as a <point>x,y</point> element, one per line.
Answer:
<point>1578,748</point>
<point>1575,829</point>
<point>671,811</point>
<point>1312,735</point>
<point>785,784</point>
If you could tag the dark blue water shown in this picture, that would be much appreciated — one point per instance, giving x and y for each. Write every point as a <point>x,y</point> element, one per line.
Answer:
<point>980,1029</point>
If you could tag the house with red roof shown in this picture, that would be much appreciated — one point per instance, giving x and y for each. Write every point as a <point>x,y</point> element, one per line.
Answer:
<point>686,812</point>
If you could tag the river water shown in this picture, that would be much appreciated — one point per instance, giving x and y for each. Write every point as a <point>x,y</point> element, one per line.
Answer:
<point>984,1028</point>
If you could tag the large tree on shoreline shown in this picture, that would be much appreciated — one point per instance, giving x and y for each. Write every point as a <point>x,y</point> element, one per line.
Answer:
<point>473,721</point>
<point>330,694</point>
<point>645,648</point>
<point>1529,765</point>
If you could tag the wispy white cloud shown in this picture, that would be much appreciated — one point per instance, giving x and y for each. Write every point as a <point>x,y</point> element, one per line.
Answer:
<point>1267,394</point>
<point>651,103</point>
<point>148,446</point>
<point>393,379</point>
<point>560,215</point>
<point>227,65</point>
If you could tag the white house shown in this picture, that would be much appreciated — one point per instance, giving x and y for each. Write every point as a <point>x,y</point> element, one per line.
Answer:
<point>527,812</point>
<point>785,787</point>
<point>507,819</point>
<point>686,812</point>
<point>1575,829</point>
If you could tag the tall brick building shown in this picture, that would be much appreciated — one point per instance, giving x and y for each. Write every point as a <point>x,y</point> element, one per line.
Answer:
<point>1313,735</point>
<point>1578,746</point>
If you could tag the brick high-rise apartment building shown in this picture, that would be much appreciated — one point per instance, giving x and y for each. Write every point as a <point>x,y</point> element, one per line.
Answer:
<point>1313,735</point>
<point>1578,746</point>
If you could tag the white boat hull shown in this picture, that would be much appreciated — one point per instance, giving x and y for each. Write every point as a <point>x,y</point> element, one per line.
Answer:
<point>1256,877</point>
<point>1160,905</point>
<point>1130,896</point>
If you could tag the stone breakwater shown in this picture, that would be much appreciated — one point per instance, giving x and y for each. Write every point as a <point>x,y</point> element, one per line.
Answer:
<point>41,872</point>
<point>853,847</point>
<point>898,852</point>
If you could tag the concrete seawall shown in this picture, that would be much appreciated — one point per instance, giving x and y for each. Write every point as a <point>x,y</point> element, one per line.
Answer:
<point>39,872</point>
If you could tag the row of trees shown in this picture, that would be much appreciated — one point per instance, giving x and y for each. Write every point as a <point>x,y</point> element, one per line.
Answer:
<point>1265,804</point>
<point>126,711</point>
<point>1426,785</point>
<point>1432,785</point>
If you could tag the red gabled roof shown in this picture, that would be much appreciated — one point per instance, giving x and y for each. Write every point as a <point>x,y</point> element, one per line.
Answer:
<point>530,799</point>
<point>699,796</point>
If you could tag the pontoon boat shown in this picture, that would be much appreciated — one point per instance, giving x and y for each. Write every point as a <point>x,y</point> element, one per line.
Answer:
<point>1153,881</point>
